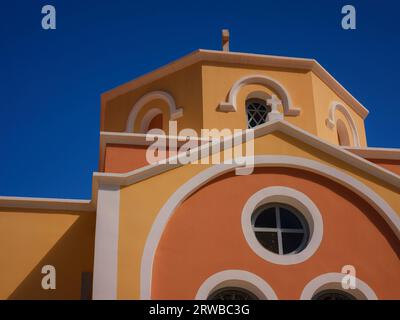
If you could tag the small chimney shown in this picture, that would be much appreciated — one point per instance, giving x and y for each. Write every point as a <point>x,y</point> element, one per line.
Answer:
<point>225,40</point>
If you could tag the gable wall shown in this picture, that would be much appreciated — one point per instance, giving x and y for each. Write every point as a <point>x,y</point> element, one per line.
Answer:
<point>141,202</point>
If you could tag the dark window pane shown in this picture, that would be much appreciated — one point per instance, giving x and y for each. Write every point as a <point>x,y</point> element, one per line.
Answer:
<point>262,108</point>
<point>333,295</point>
<point>232,294</point>
<point>289,220</point>
<point>269,240</point>
<point>257,112</point>
<point>266,219</point>
<point>291,241</point>
<point>257,117</point>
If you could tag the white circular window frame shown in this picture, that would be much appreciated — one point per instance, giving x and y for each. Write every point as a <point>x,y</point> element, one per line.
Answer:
<point>299,201</point>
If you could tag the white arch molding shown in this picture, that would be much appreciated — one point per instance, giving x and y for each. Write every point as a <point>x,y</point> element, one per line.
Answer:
<point>174,112</point>
<point>331,121</point>
<point>236,278</point>
<point>231,104</point>
<point>188,188</point>
<point>334,281</point>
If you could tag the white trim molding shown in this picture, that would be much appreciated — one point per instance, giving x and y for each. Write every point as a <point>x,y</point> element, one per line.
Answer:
<point>236,278</point>
<point>296,199</point>
<point>105,267</point>
<point>279,89</point>
<point>47,204</point>
<point>333,280</point>
<point>376,153</point>
<point>331,121</point>
<point>196,182</point>
<point>174,112</point>
<point>282,126</point>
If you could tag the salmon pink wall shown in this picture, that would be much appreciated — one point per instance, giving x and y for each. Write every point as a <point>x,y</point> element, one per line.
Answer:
<point>123,158</point>
<point>205,236</point>
<point>120,158</point>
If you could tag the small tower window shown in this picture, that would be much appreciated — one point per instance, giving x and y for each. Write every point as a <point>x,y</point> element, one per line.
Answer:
<point>257,111</point>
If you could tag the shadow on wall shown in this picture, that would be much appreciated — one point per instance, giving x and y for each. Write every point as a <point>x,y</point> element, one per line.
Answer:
<point>72,257</point>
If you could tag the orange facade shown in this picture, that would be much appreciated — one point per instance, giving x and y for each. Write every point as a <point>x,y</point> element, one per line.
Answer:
<point>205,236</point>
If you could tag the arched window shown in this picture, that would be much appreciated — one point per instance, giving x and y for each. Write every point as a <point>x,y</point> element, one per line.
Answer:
<point>343,135</point>
<point>235,285</point>
<point>329,286</point>
<point>333,295</point>
<point>232,294</point>
<point>257,111</point>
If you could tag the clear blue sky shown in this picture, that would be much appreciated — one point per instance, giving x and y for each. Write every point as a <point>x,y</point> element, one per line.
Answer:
<point>51,81</point>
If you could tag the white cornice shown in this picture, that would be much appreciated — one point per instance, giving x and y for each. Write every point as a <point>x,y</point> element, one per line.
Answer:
<point>345,154</point>
<point>376,153</point>
<point>239,58</point>
<point>280,125</point>
<point>46,204</point>
<point>136,138</point>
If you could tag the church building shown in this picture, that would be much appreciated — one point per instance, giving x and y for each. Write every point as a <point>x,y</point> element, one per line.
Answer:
<point>309,212</point>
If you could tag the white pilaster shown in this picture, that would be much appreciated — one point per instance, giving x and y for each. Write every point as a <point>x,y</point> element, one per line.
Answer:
<point>106,243</point>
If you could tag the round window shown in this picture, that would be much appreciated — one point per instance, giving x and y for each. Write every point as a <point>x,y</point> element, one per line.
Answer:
<point>280,228</point>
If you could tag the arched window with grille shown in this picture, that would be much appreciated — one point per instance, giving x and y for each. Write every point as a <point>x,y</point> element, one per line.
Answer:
<point>257,111</point>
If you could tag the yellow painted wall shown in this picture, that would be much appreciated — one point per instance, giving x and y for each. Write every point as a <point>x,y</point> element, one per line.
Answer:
<point>139,207</point>
<point>200,88</point>
<point>219,78</point>
<point>30,239</point>
<point>183,85</point>
<point>307,92</point>
<point>323,97</point>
